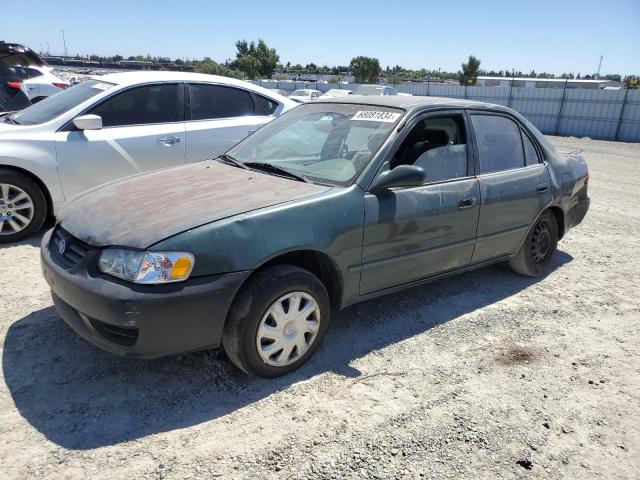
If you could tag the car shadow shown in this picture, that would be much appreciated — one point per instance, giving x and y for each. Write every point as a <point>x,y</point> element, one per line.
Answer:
<point>82,398</point>
<point>33,241</point>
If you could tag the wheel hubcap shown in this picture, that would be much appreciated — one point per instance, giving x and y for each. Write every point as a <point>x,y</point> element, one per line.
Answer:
<point>540,241</point>
<point>16,209</point>
<point>288,329</point>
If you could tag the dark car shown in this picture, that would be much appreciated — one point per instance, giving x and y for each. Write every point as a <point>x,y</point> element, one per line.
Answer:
<point>12,95</point>
<point>331,204</point>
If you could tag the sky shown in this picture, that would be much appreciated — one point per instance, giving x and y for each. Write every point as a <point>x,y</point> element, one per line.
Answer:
<point>553,36</point>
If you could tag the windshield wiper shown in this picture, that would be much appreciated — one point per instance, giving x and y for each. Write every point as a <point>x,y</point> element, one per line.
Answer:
<point>229,160</point>
<point>270,167</point>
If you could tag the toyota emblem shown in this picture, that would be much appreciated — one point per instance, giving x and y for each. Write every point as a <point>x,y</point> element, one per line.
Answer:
<point>62,246</point>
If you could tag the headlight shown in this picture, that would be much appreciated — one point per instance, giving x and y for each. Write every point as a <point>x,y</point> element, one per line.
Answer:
<point>146,267</point>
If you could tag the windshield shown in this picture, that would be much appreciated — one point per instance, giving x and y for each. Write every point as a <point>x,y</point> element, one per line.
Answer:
<point>369,90</point>
<point>327,143</point>
<point>52,106</point>
<point>301,93</point>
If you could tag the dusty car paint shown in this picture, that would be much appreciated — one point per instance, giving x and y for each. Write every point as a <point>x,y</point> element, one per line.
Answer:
<point>144,209</point>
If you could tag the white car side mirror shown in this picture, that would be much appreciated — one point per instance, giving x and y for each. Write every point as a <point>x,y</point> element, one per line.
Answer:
<point>88,122</point>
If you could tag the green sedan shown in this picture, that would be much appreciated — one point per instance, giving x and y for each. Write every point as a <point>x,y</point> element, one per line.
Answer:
<point>335,202</point>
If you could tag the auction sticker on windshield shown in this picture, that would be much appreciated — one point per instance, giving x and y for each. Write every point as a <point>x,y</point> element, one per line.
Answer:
<point>374,116</point>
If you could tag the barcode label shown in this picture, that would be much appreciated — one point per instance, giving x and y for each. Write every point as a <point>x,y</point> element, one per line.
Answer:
<point>373,116</point>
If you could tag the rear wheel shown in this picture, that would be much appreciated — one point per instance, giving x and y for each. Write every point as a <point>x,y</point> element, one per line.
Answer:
<point>277,321</point>
<point>537,251</point>
<point>23,207</point>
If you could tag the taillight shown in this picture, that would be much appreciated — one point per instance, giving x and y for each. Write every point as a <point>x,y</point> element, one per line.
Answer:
<point>16,85</point>
<point>61,85</point>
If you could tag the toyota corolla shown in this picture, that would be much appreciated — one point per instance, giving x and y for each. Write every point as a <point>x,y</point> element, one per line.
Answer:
<point>333,203</point>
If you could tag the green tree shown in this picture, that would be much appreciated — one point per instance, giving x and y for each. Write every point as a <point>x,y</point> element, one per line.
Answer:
<point>365,69</point>
<point>210,67</point>
<point>267,58</point>
<point>249,65</point>
<point>469,73</point>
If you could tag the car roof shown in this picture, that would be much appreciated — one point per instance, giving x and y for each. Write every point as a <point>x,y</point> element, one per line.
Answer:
<point>409,103</point>
<point>136,78</point>
<point>132,78</point>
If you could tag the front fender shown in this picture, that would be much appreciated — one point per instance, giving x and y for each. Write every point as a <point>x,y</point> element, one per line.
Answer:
<point>330,223</point>
<point>37,158</point>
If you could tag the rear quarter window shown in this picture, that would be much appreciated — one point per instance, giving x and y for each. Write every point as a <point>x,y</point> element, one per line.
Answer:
<point>269,106</point>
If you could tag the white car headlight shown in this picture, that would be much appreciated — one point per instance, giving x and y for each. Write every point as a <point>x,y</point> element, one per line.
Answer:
<point>146,267</point>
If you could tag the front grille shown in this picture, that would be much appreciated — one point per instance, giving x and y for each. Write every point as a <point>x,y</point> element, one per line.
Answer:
<point>73,252</point>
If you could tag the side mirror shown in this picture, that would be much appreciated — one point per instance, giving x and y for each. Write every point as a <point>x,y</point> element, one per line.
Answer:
<point>88,122</point>
<point>401,176</point>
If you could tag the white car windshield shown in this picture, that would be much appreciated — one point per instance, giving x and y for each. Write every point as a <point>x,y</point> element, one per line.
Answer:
<point>327,143</point>
<point>55,105</point>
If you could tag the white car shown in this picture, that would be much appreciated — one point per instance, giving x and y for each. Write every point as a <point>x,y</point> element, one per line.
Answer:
<point>375,90</point>
<point>336,92</point>
<point>114,126</point>
<point>304,95</point>
<point>40,82</point>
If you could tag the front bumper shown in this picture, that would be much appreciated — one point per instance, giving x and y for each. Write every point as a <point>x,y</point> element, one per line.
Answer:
<point>144,321</point>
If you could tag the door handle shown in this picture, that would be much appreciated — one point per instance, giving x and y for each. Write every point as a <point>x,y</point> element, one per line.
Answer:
<point>168,141</point>
<point>542,187</point>
<point>466,203</point>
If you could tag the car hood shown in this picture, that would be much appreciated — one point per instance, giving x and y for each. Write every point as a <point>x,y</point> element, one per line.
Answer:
<point>142,210</point>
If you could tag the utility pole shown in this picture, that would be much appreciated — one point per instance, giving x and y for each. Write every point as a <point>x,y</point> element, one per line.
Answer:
<point>599,67</point>
<point>64,42</point>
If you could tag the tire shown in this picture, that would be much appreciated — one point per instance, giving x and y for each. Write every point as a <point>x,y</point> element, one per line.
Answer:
<point>244,336</point>
<point>537,251</point>
<point>12,183</point>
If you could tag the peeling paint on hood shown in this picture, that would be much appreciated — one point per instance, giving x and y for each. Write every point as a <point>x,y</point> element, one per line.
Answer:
<point>144,209</point>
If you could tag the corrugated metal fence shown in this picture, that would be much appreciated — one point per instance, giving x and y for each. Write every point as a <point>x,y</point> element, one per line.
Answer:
<point>602,114</point>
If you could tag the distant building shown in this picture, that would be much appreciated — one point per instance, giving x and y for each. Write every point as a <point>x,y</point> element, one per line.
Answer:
<point>523,82</point>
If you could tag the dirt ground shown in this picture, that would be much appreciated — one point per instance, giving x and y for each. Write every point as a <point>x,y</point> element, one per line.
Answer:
<point>486,375</point>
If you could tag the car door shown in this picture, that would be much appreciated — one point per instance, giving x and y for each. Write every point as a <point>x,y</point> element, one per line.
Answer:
<point>218,117</point>
<point>417,232</point>
<point>514,183</point>
<point>142,130</point>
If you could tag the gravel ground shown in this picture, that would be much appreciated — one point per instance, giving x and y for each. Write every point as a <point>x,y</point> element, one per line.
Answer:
<point>485,375</point>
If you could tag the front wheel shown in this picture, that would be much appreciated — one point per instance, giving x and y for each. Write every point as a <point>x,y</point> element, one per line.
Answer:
<point>23,207</point>
<point>537,251</point>
<point>277,321</point>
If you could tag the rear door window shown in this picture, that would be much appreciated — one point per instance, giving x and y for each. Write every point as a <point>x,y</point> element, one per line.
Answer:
<point>140,106</point>
<point>499,143</point>
<point>210,102</point>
